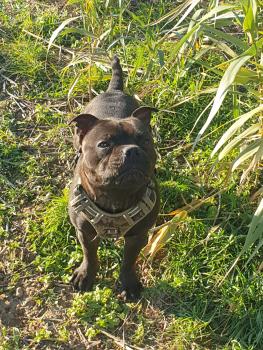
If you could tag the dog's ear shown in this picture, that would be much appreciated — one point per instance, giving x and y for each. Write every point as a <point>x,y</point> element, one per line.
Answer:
<point>84,123</point>
<point>144,113</point>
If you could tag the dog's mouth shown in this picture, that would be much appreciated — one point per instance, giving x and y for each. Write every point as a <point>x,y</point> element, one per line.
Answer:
<point>131,176</point>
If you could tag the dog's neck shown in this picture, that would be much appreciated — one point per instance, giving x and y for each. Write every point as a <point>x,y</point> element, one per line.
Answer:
<point>111,201</point>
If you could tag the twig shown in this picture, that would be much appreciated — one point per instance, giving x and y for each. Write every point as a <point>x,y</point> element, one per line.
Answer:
<point>88,345</point>
<point>3,250</point>
<point>8,79</point>
<point>3,201</point>
<point>119,341</point>
<point>218,208</point>
<point>7,181</point>
<point>15,98</point>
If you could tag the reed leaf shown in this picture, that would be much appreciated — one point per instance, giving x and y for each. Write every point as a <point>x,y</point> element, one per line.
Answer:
<point>238,139</point>
<point>248,152</point>
<point>170,16</point>
<point>59,29</point>
<point>158,240</point>
<point>255,161</point>
<point>225,83</point>
<point>233,129</point>
<point>220,35</point>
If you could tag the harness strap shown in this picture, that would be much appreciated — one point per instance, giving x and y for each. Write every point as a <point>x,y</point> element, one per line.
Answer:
<point>108,224</point>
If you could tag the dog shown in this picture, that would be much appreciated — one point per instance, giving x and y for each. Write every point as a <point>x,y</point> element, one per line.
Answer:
<point>114,192</point>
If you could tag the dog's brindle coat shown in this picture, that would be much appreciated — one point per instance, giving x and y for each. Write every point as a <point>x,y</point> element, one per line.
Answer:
<point>116,164</point>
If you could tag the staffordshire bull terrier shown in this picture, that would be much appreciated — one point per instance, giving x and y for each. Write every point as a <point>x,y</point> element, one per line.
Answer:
<point>113,192</point>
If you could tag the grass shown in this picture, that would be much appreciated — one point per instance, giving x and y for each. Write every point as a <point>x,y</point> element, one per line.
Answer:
<point>184,306</point>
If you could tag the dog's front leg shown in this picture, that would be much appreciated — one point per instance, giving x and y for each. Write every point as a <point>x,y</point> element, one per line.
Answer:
<point>84,276</point>
<point>130,283</point>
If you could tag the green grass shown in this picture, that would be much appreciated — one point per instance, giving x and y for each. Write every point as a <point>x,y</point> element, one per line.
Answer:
<point>184,306</point>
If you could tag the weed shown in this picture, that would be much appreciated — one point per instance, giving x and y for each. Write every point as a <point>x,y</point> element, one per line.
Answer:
<point>100,309</point>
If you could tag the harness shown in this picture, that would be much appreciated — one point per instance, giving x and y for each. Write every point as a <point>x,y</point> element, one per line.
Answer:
<point>112,225</point>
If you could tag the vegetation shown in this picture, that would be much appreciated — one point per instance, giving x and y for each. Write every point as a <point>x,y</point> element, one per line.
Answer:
<point>200,64</point>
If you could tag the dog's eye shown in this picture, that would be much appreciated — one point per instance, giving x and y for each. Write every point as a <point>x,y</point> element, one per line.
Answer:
<point>103,144</point>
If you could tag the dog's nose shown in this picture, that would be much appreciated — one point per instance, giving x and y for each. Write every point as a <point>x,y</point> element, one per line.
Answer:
<point>131,152</point>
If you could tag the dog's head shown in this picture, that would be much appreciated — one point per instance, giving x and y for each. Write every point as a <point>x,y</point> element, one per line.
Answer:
<point>116,152</point>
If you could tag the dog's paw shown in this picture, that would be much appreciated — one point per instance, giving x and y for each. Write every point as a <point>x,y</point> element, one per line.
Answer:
<point>83,279</point>
<point>131,292</point>
<point>131,287</point>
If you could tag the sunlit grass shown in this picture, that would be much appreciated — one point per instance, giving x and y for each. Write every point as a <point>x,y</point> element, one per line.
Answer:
<point>184,305</point>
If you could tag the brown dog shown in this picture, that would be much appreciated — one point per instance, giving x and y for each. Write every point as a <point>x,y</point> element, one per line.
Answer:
<point>113,192</point>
